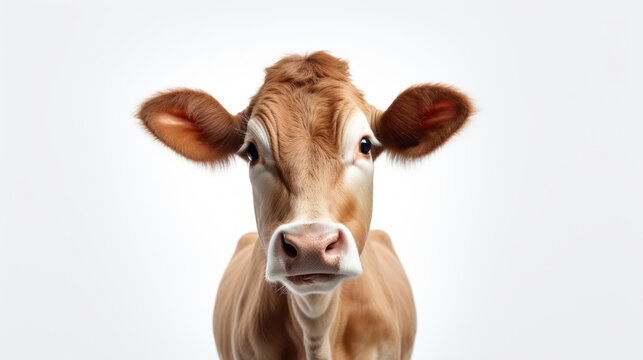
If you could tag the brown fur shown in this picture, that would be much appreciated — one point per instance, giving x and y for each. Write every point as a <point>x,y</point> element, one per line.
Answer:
<point>304,105</point>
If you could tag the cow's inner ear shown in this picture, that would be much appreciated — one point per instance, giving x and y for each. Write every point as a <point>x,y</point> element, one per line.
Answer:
<point>421,119</point>
<point>193,124</point>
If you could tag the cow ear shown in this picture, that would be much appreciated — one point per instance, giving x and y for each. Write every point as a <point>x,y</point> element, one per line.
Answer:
<point>193,124</point>
<point>421,119</point>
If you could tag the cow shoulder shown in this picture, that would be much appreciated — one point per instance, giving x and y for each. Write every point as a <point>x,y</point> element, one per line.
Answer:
<point>245,241</point>
<point>382,318</point>
<point>381,237</point>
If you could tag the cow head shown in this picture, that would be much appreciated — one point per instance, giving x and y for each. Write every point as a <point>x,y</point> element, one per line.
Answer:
<point>310,140</point>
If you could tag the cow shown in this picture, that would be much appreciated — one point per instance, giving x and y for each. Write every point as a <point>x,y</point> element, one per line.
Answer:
<point>314,282</point>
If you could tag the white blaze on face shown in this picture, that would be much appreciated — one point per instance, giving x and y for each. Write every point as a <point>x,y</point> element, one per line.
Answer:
<point>358,179</point>
<point>262,174</point>
<point>358,174</point>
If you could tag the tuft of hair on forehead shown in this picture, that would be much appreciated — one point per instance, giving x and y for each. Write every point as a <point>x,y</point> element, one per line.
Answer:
<point>308,69</point>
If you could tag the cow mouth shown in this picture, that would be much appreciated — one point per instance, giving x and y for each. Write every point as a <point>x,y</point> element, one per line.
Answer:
<point>311,278</point>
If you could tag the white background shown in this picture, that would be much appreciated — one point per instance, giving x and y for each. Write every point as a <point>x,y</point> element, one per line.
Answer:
<point>522,237</point>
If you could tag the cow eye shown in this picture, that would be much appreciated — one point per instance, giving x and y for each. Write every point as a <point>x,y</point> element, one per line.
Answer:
<point>252,152</point>
<point>365,146</point>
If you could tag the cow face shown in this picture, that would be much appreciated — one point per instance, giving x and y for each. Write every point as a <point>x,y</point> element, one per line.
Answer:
<point>310,140</point>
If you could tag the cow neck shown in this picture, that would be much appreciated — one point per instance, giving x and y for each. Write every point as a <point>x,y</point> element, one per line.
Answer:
<point>315,315</point>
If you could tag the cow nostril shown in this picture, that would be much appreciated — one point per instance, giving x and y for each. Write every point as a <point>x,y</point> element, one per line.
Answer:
<point>332,246</point>
<point>289,249</point>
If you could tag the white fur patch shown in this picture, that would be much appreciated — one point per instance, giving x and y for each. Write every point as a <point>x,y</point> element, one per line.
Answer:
<point>262,175</point>
<point>358,175</point>
<point>357,127</point>
<point>257,133</point>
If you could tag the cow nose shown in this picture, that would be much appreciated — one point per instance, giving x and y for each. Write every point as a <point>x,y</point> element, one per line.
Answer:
<point>312,245</point>
<point>312,257</point>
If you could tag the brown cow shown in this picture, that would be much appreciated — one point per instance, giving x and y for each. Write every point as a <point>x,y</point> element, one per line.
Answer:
<point>314,282</point>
